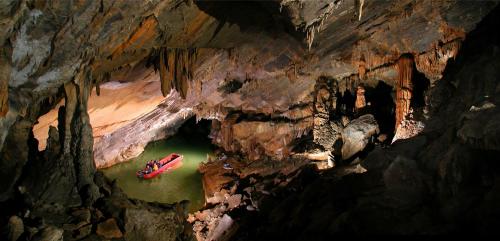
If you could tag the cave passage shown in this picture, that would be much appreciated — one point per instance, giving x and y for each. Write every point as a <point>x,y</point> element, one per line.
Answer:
<point>183,183</point>
<point>382,107</point>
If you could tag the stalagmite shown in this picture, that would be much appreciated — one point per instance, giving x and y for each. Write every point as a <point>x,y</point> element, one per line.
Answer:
<point>404,88</point>
<point>360,98</point>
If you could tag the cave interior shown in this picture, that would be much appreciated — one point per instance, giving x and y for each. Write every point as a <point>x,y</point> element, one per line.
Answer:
<point>324,118</point>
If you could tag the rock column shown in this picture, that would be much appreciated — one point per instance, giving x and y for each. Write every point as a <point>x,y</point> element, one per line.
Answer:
<point>360,98</point>
<point>325,131</point>
<point>4,80</point>
<point>404,88</point>
<point>81,140</point>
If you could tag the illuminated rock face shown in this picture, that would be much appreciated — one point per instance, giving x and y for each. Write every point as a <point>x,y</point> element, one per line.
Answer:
<point>192,48</point>
<point>404,88</point>
<point>270,75</point>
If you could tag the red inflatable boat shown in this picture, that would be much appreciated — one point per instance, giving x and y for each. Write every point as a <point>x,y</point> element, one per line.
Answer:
<point>169,162</point>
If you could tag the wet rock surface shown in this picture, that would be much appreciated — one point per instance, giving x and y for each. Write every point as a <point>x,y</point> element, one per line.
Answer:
<point>438,182</point>
<point>310,41</point>
<point>113,216</point>
<point>281,82</point>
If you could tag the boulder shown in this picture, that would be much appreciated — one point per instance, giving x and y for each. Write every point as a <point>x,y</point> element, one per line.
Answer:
<point>49,233</point>
<point>152,225</point>
<point>234,201</point>
<point>83,232</point>
<point>481,127</point>
<point>356,135</point>
<point>109,229</point>
<point>377,160</point>
<point>404,182</point>
<point>408,129</point>
<point>81,217</point>
<point>218,197</point>
<point>15,228</point>
<point>225,228</point>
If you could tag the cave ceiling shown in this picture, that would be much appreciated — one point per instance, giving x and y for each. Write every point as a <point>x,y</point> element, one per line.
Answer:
<point>48,43</point>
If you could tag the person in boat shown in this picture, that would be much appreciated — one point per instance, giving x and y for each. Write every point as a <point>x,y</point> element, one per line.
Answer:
<point>223,157</point>
<point>227,166</point>
<point>155,166</point>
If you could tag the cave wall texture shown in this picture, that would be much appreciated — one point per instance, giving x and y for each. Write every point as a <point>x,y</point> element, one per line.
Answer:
<point>445,180</point>
<point>268,73</point>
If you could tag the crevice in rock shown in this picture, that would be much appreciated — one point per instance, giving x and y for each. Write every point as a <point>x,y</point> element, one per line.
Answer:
<point>248,15</point>
<point>231,86</point>
<point>261,117</point>
<point>420,85</point>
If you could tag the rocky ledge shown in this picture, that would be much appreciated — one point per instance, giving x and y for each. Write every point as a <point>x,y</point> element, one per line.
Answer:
<point>112,217</point>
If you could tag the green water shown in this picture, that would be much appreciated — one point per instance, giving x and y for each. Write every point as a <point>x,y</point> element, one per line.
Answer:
<point>183,183</point>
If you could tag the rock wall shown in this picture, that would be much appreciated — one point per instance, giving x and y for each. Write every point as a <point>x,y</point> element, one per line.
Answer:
<point>443,181</point>
<point>261,63</point>
<point>122,35</point>
<point>68,161</point>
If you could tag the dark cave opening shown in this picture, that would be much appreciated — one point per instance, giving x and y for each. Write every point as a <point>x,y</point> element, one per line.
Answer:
<point>420,86</point>
<point>199,130</point>
<point>249,16</point>
<point>246,14</point>
<point>382,106</point>
<point>230,87</point>
<point>345,103</point>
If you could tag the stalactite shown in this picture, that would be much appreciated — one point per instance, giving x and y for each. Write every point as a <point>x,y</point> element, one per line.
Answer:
<point>5,69</point>
<point>310,37</point>
<point>404,88</point>
<point>361,70</point>
<point>361,3</point>
<point>176,69</point>
<point>317,23</point>
<point>165,85</point>
<point>4,101</point>
<point>433,62</point>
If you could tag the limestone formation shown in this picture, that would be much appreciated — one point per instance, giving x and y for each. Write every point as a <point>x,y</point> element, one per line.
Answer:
<point>4,81</point>
<point>357,134</point>
<point>360,98</point>
<point>326,133</point>
<point>109,229</point>
<point>176,68</point>
<point>404,88</point>
<point>49,233</point>
<point>15,228</point>
<point>289,86</point>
